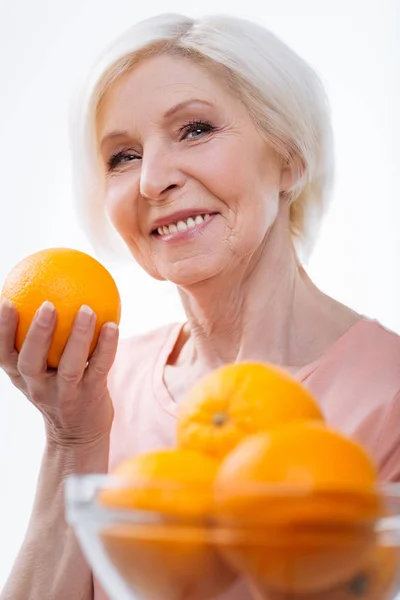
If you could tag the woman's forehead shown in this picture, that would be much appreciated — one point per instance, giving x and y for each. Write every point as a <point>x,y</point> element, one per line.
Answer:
<point>159,85</point>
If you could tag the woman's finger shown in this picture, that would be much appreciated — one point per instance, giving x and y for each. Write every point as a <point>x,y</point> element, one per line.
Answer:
<point>74,358</point>
<point>103,356</point>
<point>8,327</point>
<point>33,355</point>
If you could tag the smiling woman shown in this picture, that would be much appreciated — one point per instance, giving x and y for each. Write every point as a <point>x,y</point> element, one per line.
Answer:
<point>205,147</point>
<point>259,72</point>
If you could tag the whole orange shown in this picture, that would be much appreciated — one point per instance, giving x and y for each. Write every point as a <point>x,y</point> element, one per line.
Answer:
<point>68,278</point>
<point>168,552</point>
<point>237,400</point>
<point>297,508</point>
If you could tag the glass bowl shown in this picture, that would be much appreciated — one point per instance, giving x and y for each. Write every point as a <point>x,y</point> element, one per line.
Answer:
<point>294,544</point>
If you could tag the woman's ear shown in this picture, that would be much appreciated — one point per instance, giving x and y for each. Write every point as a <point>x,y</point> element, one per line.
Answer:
<point>292,170</point>
<point>287,179</point>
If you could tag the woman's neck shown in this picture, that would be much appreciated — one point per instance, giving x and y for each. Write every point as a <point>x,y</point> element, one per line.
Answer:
<point>265,308</point>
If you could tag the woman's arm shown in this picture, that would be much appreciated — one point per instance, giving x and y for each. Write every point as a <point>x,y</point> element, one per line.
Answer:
<point>78,415</point>
<point>50,565</point>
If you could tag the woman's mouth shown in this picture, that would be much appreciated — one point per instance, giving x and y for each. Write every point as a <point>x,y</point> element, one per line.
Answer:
<point>183,227</point>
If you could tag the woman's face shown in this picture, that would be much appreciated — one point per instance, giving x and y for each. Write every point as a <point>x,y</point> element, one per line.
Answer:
<point>190,184</point>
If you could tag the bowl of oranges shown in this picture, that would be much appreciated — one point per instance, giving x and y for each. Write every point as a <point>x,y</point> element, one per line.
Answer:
<point>259,500</point>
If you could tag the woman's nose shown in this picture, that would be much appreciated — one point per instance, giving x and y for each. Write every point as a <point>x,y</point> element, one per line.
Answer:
<point>159,175</point>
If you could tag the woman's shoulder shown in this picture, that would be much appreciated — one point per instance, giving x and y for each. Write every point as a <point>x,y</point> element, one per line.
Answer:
<point>368,352</point>
<point>375,328</point>
<point>358,385</point>
<point>376,345</point>
<point>378,349</point>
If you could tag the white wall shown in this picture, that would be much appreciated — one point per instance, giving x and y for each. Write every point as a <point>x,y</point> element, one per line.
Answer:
<point>44,44</point>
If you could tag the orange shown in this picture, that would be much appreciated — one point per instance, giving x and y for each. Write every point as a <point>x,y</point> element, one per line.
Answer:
<point>167,552</point>
<point>237,400</point>
<point>68,278</point>
<point>297,508</point>
<point>171,481</point>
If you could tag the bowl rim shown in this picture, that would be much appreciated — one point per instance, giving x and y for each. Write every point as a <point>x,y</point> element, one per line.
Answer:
<point>90,484</point>
<point>83,511</point>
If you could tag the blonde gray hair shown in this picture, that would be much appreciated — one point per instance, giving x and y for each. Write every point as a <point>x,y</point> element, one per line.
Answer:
<point>282,93</point>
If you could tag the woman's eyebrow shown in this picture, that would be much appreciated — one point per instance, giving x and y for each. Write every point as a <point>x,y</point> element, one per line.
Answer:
<point>193,102</point>
<point>185,104</point>
<point>113,135</point>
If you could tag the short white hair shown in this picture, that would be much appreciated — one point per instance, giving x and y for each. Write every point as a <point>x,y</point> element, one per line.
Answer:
<point>283,94</point>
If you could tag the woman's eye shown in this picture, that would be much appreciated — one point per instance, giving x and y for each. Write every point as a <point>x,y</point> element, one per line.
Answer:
<point>121,157</point>
<point>195,129</point>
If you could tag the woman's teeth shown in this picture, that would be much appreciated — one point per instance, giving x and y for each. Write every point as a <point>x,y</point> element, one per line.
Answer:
<point>183,225</point>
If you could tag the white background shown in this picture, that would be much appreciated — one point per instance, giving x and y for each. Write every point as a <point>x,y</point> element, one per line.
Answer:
<point>45,45</point>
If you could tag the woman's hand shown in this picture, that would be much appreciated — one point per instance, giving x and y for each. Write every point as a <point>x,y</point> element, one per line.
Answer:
<point>74,398</point>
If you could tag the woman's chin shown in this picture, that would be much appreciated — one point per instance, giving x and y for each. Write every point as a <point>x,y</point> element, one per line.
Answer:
<point>190,272</point>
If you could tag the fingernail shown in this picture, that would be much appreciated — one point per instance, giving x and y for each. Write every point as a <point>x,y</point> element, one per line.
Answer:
<point>6,304</point>
<point>110,330</point>
<point>7,308</point>
<point>45,313</point>
<point>84,316</point>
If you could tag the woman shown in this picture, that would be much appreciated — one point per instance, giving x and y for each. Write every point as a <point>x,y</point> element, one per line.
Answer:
<point>207,145</point>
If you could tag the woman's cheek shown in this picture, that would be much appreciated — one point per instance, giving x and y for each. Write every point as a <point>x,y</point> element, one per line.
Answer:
<point>231,177</point>
<point>119,203</point>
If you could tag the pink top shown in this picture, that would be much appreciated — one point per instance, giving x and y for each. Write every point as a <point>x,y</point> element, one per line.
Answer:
<point>357,383</point>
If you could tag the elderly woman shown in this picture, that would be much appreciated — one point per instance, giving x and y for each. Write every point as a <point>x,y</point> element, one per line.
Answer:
<point>206,147</point>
